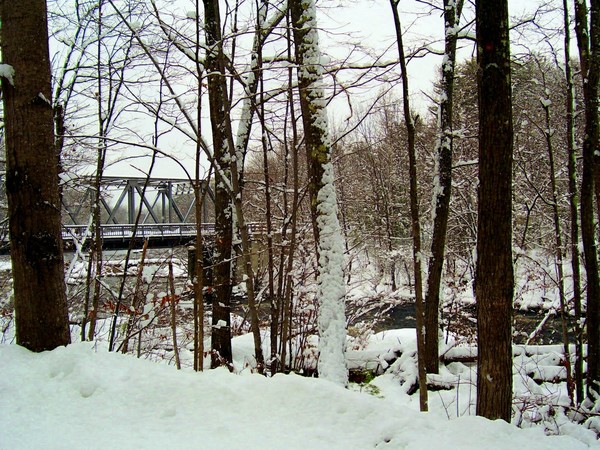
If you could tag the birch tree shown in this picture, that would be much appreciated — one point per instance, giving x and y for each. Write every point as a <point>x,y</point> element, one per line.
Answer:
<point>328,234</point>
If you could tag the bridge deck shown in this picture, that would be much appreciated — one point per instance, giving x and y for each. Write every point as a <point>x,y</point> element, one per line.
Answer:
<point>119,236</point>
<point>118,232</point>
<point>154,231</point>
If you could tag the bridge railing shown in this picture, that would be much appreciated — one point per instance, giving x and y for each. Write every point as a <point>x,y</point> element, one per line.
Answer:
<point>153,230</point>
<point>160,230</point>
<point>146,230</point>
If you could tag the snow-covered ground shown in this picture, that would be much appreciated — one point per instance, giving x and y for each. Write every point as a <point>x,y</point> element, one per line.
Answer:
<point>84,397</point>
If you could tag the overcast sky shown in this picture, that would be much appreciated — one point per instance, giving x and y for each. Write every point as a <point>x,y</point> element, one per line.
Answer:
<point>369,23</point>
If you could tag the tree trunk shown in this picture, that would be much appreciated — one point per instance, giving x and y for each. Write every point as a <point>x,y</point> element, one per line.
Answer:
<point>316,151</point>
<point>197,274</point>
<point>173,311</point>
<point>494,278</point>
<point>32,179</point>
<point>222,272</point>
<point>414,212</point>
<point>96,248</point>
<point>274,303</point>
<point>328,234</point>
<point>442,187</point>
<point>228,198</point>
<point>589,56</point>
<point>573,207</point>
<point>558,250</point>
<point>286,286</point>
<point>593,301</point>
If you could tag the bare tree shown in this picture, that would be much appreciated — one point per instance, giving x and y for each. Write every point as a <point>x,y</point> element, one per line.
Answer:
<point>442,185</point>
<point>199,198</point>
<point>593,135</point>
<point>573,205</point>
<point>414,212</point>
<point>558,247</point>
<point>588,41</point>
<point>494,278</point>
<point>217,93</point>
<point>32,178</point>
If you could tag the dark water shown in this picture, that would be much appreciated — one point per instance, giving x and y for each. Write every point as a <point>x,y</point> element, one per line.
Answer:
<point>464,322</point>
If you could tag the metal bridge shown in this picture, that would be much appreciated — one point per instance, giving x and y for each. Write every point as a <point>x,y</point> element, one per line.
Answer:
<point>165,207</point>
<point>161,200</point>
<point>162,234</point>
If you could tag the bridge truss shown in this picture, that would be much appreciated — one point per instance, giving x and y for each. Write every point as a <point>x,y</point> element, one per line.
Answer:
<point>167,209</point>
<point>162,201</point>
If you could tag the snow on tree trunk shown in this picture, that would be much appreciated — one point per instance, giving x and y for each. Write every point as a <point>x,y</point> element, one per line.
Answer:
<point>442,183</point>
<point>332,315</point>
<point>331,291</point>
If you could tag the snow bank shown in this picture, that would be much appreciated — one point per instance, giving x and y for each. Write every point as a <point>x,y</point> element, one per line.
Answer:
<point>76,397</point>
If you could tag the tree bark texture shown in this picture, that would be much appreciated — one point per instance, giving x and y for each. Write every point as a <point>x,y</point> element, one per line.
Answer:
<point>317,150</point>
<point>217,91</point>
<point>494,278</point>
<point>573,207</point>
<point>32,179</point>
<point>443,187</point>
<point>589,56</point>
<point>593,133</point>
